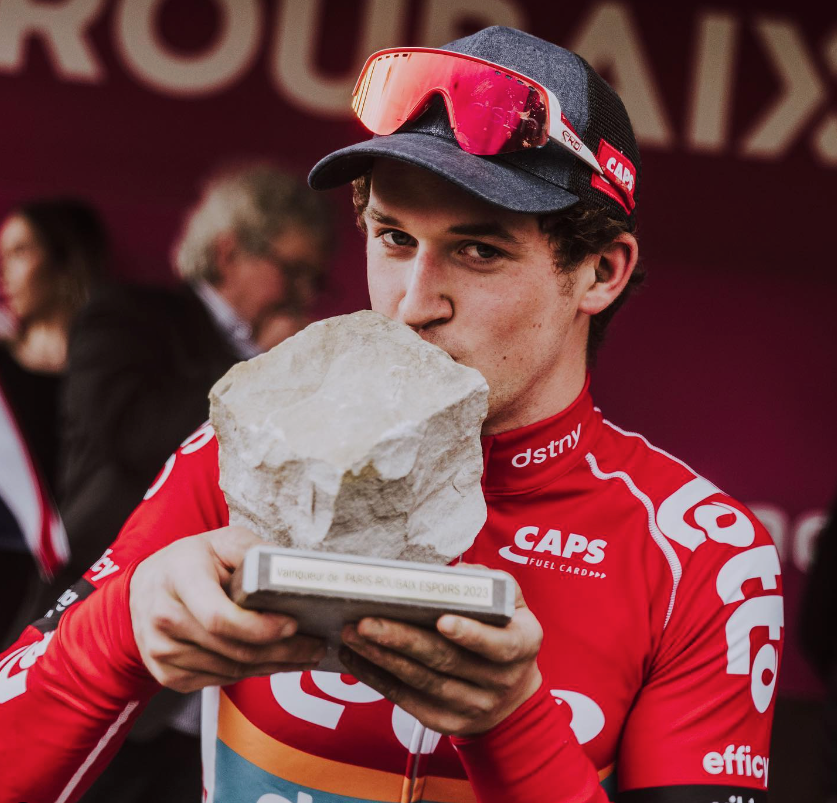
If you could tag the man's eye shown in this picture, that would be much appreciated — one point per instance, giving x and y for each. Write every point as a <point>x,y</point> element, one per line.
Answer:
<point>395,237</point>
<point>481,251</point>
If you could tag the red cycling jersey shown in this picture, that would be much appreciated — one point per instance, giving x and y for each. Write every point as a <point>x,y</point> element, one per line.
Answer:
<point>660,601</point>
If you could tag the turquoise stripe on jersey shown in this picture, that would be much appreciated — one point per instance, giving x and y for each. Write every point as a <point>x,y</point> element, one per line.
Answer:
<point>239,781</point>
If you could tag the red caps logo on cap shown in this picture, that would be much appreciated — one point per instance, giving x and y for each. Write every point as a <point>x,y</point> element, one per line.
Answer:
<point>619,181</point>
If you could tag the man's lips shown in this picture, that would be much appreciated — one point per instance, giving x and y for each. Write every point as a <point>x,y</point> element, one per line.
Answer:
<point>427,337</point>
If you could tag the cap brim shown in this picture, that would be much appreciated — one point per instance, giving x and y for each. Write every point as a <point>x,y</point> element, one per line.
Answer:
<point>487,177</point>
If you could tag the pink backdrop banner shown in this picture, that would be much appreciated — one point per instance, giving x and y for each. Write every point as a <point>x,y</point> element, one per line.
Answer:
<point>725,360</point>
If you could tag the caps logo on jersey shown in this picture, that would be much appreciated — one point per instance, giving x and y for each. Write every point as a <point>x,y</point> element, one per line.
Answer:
<point>531,548</point>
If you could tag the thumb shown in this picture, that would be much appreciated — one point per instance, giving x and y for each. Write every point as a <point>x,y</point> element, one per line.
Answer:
<point>229,545</point>
<point>201,587</point>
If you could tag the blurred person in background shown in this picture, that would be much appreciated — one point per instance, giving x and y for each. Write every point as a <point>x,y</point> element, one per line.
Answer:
<point>52,253</point>
<point>251,257</point>
<point>818,638</point>
<point>142,359</point>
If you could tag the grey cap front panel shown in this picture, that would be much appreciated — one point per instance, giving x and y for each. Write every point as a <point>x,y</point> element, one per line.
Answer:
<point>491,179</point>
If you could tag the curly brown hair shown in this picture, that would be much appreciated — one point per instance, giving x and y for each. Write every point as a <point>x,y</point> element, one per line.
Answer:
<point>574,235</point>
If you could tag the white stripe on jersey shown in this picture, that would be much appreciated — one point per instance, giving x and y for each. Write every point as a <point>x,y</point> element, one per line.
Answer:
<point>659,539</point>
<point>97,750</point>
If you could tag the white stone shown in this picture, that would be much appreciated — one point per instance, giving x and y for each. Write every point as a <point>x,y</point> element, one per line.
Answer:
<point>354,436</point>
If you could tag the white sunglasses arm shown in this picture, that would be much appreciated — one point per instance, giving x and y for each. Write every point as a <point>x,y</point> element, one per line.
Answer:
<point>559,132</point>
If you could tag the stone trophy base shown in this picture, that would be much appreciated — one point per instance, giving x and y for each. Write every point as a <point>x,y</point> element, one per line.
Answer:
<point>323,591</point>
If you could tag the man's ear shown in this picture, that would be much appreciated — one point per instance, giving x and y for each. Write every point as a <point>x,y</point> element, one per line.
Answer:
<point>226,249</point>
<point>611,268</point>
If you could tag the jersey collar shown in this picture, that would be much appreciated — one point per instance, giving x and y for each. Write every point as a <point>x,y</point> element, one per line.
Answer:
<point>528,458</point>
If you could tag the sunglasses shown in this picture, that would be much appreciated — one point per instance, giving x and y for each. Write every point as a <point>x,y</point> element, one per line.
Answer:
<point>492,109</point>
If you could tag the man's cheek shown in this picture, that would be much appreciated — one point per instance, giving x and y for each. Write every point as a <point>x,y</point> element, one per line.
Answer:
<point>385,289</point>
<point>383,299</point>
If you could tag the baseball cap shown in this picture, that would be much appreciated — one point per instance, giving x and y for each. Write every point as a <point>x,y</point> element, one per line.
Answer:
<point>533,181</point>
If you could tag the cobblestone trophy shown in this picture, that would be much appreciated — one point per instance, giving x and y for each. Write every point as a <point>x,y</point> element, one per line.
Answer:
<point>354,446</point>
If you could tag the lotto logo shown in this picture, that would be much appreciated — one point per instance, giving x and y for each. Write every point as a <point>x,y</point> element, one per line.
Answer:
<point>332,701</point>
<point>197,440</point>
<point>696,514</point>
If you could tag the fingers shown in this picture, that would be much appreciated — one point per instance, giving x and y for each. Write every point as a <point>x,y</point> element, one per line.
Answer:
<point>171,658</point>
<point>519,640</point>
<point>462,679</point>
<point>189,680</point>
<point>424,647</point>
<point>175,663</point>
<point>190,634</point>
<point>186,682</point>
<point>205,599</point>
<point>455,712</point>
<point>188,630</point>
<point>412,672</point>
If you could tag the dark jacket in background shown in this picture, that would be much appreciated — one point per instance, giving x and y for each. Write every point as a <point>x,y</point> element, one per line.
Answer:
<point>818,638</point>
<point>818,613</point>
<point>141,363</point>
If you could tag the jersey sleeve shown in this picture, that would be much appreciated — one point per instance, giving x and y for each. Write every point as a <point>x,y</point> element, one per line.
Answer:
<point>531,751</point>
<point>699,730</point>
<point>73,683</point>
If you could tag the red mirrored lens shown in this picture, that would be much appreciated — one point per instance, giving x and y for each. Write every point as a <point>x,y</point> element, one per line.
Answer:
<point>491,110</point>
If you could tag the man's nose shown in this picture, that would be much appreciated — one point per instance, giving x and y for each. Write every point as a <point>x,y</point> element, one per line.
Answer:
<point>426,298</point>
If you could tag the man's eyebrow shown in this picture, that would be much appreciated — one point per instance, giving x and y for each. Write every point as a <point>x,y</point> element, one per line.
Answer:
<point>490,228</point>
<point>380,217</point>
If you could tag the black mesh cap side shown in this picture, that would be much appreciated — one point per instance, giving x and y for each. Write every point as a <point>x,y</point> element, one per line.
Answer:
<point>607,119</point>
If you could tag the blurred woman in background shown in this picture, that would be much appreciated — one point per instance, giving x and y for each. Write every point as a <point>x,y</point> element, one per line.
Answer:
<point>52,252</point>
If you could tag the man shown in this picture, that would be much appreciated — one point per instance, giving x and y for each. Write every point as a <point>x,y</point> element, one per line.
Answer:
<point>646,638</point>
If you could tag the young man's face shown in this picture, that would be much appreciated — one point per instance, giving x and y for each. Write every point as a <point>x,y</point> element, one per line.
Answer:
<point>480,283</point>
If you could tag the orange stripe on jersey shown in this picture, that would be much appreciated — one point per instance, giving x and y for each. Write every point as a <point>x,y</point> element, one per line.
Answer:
<point>296,766</point>
<point>445,790</point>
